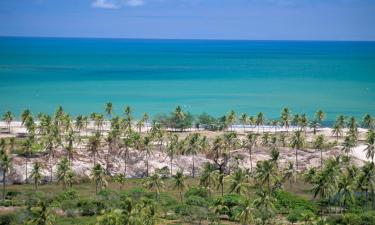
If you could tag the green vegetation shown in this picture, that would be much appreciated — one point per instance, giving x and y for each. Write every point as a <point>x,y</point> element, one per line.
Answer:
<point>336,191</point>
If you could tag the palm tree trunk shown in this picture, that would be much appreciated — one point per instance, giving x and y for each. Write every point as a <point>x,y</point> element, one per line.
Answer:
<point>4,172</point>
<point>296,159</point>
<point>171,166</point>
<point>181,195</point>
<point>251,161</point>
<point>26,180</point>
<point>321,159</point>
<point>147,165</point>
<point>193,165</point>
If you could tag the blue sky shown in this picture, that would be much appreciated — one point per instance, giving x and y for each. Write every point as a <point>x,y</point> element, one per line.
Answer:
<point>197,19</point>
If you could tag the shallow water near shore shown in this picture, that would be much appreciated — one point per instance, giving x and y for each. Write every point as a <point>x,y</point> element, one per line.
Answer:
<point>202,76</point>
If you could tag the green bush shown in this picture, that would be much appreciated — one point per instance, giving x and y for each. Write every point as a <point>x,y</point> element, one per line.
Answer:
<point>134,193</point>
<point>196,191</point>
<point>287,201</point>
<point>67,195</point>
<point>7,219</point>
<point>196,201</point>
<point>90,207</point>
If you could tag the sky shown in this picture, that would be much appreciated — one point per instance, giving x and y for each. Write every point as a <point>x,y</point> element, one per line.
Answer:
<point>191,19</point>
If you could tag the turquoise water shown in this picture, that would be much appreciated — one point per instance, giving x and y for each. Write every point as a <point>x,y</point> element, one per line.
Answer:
<point>202,76</point>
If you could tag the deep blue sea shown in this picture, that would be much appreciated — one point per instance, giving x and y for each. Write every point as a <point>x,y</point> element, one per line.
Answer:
<point>155,76</point>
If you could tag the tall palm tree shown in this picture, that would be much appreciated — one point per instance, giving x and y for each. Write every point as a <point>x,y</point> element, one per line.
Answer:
<point>145,118</point>
<point>172,147</point>
<point>304,122</point>
<point>231,119</point>
<point>94,145</point>
<point>345,190</point>
<point>5,164</point>
<point>285,117</point>
<point>368,121</point>
<point>348,144</point>
<point>25,115</point>
<point>155,183</point>
<point>179,115</point>
<point>238,182</point>
<point>244,119</point>
<point>260,120</point>
<point>250,142</point>
<point>27,146</point>
<point>98,176</point>
<point>146,143</point>
<point>265,205</point>
<point>63,168</point>
<point>109,108</point>
<point>194,148</point>
<point>208,177</point>
<point>179,182</point>
<point>265,174</point>
<point>36,174</point>
<point>8,117</point>
<point>320,116</point>
<point>297,142</point>
<point>370,145</point>
<point>337,130</point>
<point>319,143</point>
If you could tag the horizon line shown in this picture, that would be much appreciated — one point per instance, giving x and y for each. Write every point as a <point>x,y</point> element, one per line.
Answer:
<point>186,39</point>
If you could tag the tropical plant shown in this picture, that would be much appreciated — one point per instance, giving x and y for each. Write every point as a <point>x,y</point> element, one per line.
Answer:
<point>319,143</point>
<point>179,182</point>
<point>297,142</point>
<point>8,117</point>
<point>97,175</point>
<point>5,165</point>
<point>155,183</point>
<point>36,174</point>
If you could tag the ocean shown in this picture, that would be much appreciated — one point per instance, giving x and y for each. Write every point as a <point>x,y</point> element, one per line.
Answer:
<point>211,76</point>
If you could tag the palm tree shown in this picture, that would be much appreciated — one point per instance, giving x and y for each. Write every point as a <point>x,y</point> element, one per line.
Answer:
<point>109,108</point>
<point>155,183</point>
<point>265,205</point>
<point>366,179</point>
<point>320,116</point>
<point>97,175</point>
<point>146,143</point>
<point>304,122</point>
<point>231,119</point>
<point>238,182</point>
<point>244,119</point>
<point>319,143</point>
<point>193,148</point>
<point>368,121</point>
<point>63,168</point>
<point>285,117</point>
<point>8,117</point>
<point>260,120</point>
<point>42,214</point>
<point>250,142</point>
<point>297,142</point>
<point>5,164</point>
<point>179,182</point>
<point>94,145</point>
<point>208,177</point>
<point>348,144</point>
<point>337,130</point>
<point>345,190</point>
<point>171,150</point>
<point>179,116</point>
<point>265,173</point>
<point>36,174</point>
<point>370,145</point>
<point>27,146</point>
<point>25,115</point>
<point>145,120</point>
<point>120,179</point>
<point>245,210</point>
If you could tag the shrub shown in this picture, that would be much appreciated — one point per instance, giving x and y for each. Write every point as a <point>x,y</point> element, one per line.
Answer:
<point>67,195</point>
<point>195,191</point>
<point>196,201</point>
<point>90,207</point>
<point>287,201</point>
<point>7,219</point>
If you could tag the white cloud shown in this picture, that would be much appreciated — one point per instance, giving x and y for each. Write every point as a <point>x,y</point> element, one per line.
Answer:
<point>115,4</point>
<point>105,4</point>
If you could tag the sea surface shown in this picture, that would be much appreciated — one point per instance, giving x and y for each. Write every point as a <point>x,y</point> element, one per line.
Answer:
<point>155,76</point>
